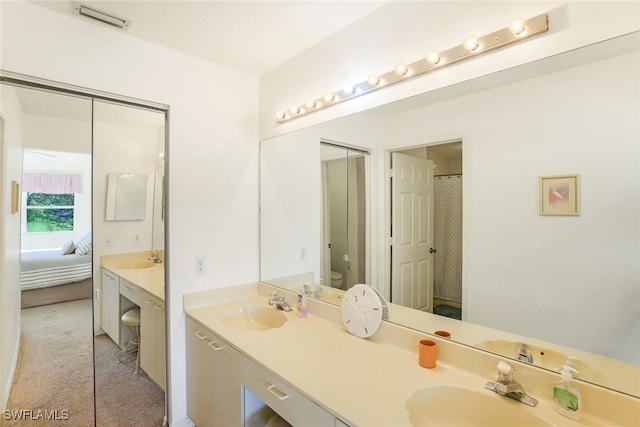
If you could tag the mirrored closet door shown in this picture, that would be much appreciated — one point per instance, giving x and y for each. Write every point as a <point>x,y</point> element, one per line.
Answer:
<point>90,299</point>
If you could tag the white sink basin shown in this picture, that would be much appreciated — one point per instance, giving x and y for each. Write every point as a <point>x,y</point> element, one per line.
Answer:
<point>458,406</point>
<point>543,357</point>
<point>137,265</point>
<point>253,318</point>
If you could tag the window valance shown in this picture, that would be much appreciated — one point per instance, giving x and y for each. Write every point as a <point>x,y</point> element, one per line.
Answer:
<point>51,183</point>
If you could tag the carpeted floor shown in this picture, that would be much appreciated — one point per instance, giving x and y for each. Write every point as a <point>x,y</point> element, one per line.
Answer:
<point>55,366</point>
<point>54,379</point>
<point>122,398</point>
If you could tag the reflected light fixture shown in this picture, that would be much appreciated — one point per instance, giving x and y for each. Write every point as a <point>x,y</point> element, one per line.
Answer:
<point>517,26</point>
<point>518,30</point>
<point>97,15</point>
<point>402,70</point>
<point>471,44</point>
<point>434,58</point>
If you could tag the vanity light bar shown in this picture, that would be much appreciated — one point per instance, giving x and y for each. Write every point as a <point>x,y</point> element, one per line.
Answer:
<point>518,30</point>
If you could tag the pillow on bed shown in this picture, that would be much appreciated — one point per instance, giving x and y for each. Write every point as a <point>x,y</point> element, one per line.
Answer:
<point>68,248</point>
<point>83,246</point>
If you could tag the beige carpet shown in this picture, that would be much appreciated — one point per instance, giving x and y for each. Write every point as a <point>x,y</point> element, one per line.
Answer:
<point>55,374</point>
<point>55,366</point>
<point>122,398</point>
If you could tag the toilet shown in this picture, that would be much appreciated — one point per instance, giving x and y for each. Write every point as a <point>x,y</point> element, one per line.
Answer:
<point>336,280</point>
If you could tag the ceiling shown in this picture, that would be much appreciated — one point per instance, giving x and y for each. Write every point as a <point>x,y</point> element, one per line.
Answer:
<point>249,36</point>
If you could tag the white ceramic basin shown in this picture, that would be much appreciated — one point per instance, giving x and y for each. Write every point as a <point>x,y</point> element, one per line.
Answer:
<point>543,357</point>
<point>137,265</point>
<point>458,406</point>
<point>253,318</point>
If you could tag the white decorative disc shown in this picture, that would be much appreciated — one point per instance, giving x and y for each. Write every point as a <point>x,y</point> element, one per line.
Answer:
<point>361,311</point>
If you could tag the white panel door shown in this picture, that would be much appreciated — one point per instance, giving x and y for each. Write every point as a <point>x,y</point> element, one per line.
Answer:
<point>412,232</point>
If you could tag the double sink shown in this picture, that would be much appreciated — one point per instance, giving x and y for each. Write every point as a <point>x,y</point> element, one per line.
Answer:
<point>427,406</point>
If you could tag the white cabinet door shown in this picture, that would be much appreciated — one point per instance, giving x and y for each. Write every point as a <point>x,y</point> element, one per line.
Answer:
<point>198,374</point>
<point>226,387</point>
<point>214,390</point>
<point>152,339</point>
<point>109,305</point>
<point>161,359</point>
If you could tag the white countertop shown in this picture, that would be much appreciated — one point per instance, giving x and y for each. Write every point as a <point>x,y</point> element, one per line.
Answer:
<point>364,382</point>
<point>149,279</point>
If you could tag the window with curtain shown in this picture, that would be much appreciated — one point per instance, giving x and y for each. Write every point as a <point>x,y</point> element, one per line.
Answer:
<point>50,201</point>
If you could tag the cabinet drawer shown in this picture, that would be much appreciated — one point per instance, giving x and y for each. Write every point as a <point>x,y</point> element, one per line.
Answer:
<point>132,292</point>
<point>282,398</point>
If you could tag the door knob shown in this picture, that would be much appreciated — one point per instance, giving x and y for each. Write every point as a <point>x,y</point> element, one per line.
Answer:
<point>432,251</point>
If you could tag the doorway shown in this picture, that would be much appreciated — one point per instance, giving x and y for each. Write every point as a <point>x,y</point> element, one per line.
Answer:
<point>434,283</point>
<point>116,136</point>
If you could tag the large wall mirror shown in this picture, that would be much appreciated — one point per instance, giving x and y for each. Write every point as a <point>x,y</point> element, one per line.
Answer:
<point>70,145</point>
<point>544,290</point>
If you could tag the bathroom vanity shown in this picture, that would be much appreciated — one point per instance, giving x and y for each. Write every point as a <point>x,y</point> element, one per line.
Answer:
<point>129,280</point>
<point>244,361</point>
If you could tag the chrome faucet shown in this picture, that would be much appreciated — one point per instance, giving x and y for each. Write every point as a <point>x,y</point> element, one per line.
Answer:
<point>154,257</point>
<point>524,353</point>
<point>507,386</point>
<point>278,301</point>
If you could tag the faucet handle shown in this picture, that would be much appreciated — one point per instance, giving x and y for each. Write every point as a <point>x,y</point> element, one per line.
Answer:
<point>505,371</point>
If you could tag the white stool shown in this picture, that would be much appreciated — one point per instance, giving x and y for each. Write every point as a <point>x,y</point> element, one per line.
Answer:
<point>131,319</point>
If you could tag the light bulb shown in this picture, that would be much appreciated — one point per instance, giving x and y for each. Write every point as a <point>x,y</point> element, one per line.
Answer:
<point>329,97</point>
<point>280,115</point>
<point>294,110</point>
<point>348,89</point>
<point>311,104</point>
<point>433,58</point>
<point>471,43</point>
<point>402,69</point>
<point>517,26</point>
<point>374,80</point>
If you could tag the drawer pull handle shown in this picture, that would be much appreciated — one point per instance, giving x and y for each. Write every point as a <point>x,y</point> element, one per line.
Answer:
<point>157,307</point>
<point>148,301</point>
<point>277,393</point>
<point>214,346</point>
<point>199,335</point>
<point>126,288</point>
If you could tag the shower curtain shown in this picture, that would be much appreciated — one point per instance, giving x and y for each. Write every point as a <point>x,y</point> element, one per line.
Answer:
<point>447,225</point>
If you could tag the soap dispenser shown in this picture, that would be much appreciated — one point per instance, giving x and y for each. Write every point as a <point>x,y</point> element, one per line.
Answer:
<point>567,399</point>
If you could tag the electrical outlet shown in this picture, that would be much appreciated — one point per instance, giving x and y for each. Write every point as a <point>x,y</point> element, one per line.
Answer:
<point>108,240</point>
<point>136,239</point>
<point>201,266</point>
<point>303,254</point>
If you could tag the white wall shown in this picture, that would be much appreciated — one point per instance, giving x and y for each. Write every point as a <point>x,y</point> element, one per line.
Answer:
<point>407,31</point>
<point>213,156</point>
<point>11,169</point>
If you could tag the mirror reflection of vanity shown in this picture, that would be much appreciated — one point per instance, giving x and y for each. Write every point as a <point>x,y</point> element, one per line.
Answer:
<point>567,287</point>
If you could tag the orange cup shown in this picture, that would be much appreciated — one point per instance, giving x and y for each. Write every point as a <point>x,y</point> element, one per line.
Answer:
<point>443,334</point>
<point>427,351</point>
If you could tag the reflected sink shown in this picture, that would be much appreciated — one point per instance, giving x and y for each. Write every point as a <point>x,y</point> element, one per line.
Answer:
<point>253,318</point>
<point>543,357</point>
<point>137,265</point>
<point>458,406</point>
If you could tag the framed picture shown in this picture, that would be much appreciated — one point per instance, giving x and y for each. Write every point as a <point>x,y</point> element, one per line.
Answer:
<point>559,195</point>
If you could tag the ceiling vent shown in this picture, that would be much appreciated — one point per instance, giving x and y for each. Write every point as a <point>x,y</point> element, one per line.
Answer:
<point>97,15</point>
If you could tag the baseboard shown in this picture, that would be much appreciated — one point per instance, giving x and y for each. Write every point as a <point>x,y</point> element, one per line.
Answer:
<point>183,423</point>
<point>12,371</point>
